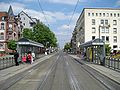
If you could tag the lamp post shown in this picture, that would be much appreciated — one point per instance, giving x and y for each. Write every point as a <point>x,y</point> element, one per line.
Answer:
<point>102,58</point>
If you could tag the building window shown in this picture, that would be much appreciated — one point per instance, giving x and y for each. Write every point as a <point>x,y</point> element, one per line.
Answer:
<point>114,39</point>
<point>118,15</point>
<point>114,30</point>
<point>102,21</point>
<point>104,14</point>
<point>88,14</point>
<point>93,37</point>
<point>107,38</point>
<point>114,46</point>
<point>3,18</point>
<point>107,30</point>
<point>2,26</point>
<point>93,21</point>
<point>21,14</point>
<point>107,14</point>
<point>92,14</point>
<point>96,14</point>
<point>106,22</point>
<point>2,36</point>
<point>24,24</point>
<point>114,14</point>
<point>111,14</point>
<point>103,38</point>
<point>93,30</point>
<point>100,14</point>
<point>114,22</point>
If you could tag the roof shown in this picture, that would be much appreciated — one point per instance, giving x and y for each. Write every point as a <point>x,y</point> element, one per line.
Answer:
<point>24,41</point>
<point>10,11</point>
<point>104,8</point>
<point>93,43</point>
<point>26,15</point>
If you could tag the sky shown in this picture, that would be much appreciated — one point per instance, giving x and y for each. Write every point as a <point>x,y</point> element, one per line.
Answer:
<point>57,12</point>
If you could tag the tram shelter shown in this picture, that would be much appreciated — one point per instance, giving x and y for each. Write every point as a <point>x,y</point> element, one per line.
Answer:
<point>94,51</point>
<point>25,45</point>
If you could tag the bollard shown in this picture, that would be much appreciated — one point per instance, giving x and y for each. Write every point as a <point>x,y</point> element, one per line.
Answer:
<point>118,64</point>
<point>6,62</point>
<point>3,63</point>
<point>0,64</point>
<point>115,63</point>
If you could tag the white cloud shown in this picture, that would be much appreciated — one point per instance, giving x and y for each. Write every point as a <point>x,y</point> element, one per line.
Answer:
<point>63,32</point>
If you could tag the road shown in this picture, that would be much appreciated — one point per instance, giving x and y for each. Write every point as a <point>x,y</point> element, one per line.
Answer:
<point>60,72</point>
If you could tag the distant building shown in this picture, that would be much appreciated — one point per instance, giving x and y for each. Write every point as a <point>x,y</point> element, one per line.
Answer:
<point>26,20</point>
<point>9,28</point>
<point>98,22</point>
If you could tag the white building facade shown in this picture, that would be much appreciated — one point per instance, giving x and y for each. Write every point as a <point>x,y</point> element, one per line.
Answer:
<point>103,23</point>
<point>26,20</point>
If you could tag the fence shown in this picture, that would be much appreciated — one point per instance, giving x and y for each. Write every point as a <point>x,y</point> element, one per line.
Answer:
<point>6,62</point>
<point>113,63</point>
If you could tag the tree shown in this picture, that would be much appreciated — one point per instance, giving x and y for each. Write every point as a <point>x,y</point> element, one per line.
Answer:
<point>107,49</point>
<point>27,33</point>
<point>67,47</point>
<point>42,34</point>
<point>12,44</point>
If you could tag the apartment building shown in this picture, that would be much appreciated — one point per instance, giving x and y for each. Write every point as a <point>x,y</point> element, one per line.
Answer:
<point>103,23</point>
<point>3,26</point>
<point>9,28</point>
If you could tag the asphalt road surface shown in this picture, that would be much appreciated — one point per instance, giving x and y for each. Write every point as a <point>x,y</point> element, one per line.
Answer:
<point>60,72</point>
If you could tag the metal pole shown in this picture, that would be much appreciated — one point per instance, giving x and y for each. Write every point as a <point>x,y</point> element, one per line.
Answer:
<point>99,33</point>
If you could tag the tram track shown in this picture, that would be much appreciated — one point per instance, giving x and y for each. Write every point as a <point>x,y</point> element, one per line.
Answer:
<point>109,84</point>
<point>60,72</point>
<point>6,84</point>
<point>51,69</point>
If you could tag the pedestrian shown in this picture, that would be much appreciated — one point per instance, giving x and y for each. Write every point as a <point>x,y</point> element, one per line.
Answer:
<point>29,57</point>
<point>16,55</point>
<point>33,56</point>
<point>24,59</point>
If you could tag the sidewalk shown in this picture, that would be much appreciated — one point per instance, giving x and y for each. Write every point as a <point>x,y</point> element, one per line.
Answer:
<point>9,72</point>
<point>114,75</point>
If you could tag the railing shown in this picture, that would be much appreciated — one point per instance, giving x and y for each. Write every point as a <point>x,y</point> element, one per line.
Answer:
<point>113,63</point>
<point>6,62</point>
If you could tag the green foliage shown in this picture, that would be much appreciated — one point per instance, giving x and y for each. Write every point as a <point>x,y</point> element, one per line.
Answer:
<point>12,44</point>
<point>27,33</point>
<point>107,49</point>
<point>67,46</point>
<point>42,34</point>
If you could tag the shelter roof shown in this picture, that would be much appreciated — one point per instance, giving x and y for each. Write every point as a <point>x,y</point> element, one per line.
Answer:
<point>24,41</point>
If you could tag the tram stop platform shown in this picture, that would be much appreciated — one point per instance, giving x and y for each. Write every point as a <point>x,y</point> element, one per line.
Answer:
<point>111,74</point>
<point>11,71</point>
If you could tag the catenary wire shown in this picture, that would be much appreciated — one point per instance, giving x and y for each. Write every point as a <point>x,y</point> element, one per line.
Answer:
<point>39,3</point>
<point>73,13</point>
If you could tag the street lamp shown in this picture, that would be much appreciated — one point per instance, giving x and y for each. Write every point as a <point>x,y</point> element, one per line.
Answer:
<point>102,58</point>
